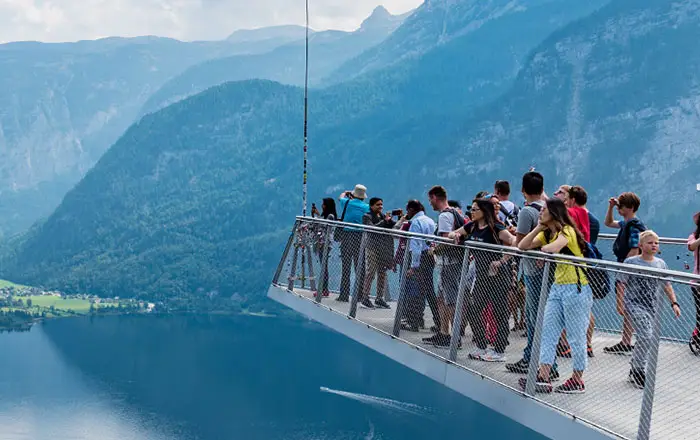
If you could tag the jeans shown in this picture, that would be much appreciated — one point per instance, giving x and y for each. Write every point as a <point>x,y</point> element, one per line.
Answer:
<point>349,255</point>
<point>421,289</point>
<point>533,288</point>
<point>643,323</point>
<point>569,309</point>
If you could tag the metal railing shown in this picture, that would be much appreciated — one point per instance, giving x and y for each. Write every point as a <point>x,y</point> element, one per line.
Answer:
<point>476,292</point>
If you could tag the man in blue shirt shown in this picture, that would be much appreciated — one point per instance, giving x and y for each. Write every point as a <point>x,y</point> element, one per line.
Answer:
<point>353,208</point>
<point>420,272</point>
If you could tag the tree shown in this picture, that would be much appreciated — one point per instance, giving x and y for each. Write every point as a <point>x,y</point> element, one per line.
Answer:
<point>29,302</point>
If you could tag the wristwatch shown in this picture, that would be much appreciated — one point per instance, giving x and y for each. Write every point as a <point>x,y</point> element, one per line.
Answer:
<point>675,304</point>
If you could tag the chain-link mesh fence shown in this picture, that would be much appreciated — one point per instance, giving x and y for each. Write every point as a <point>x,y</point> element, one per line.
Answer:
<point>579,336</point>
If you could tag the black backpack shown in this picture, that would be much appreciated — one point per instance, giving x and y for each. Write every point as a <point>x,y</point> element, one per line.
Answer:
<point>598,279</point>
<point>458,223</point>
<point>621,246</point>
<point>512,217</point>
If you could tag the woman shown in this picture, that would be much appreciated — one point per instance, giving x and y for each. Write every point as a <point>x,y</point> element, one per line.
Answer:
<point>328,212</point>
<point>570,297</point>
<point>492,276</point>
<point>694,247</point>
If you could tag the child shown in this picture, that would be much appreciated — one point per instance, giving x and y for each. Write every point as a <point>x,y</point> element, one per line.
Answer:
<point>640,293</point>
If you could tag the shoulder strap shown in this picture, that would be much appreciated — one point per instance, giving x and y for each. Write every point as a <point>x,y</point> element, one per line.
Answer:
<point>345,208</point>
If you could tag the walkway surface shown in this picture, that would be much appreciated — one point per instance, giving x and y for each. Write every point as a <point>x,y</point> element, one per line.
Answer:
<point>609,402</point>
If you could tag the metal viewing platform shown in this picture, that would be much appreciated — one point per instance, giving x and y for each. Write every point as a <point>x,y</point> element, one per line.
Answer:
<point>611,406</point>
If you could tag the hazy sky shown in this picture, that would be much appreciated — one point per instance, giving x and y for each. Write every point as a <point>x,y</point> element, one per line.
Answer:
<point>70,20</point>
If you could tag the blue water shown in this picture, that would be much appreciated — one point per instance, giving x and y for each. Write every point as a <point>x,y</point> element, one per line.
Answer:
<point>216,377</point>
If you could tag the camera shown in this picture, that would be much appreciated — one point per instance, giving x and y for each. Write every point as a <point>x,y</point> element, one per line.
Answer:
<point>396,213</point>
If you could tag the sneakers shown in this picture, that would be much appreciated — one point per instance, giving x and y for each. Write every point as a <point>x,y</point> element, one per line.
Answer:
<point>542,385</point>
<point>637,378</point>
<point>571,386</point>
<point>619,348</point>
<point>381,304</point>
<point>492,355</point>
<point>590,352</point>
<point>519,367</point>
<point>477,353</point>
<point>407,327</point>
<point>343,299</point>
<point>367,303</point>
<point>437,337</point>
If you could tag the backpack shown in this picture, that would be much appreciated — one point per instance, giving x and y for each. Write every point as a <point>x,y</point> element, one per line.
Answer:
<point>621,246</point>
<point>512,217</point>
<point>598,279</point>
<point>458,223</point>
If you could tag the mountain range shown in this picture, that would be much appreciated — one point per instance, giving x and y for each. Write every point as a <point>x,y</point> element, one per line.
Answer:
<point>327,51</point>
<point>200,196</point>
<point>63,105</point>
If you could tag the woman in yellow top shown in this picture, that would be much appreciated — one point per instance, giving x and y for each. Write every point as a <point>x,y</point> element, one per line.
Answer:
<point>570,297</point>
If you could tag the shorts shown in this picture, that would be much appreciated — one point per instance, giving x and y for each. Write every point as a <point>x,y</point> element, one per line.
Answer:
<point>449,283</point>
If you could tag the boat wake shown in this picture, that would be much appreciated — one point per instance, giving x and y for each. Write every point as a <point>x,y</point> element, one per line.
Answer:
<point>381,402</point>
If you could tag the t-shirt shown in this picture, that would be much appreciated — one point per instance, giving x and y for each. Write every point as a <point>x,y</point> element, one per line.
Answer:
<point>355,211</point>
<point>696,255</point>
<point>595,227</point>
<point>580,217</point>
<point>642,290</point>
<point>509,207</point>
<point>482,257</point>
<point>446,222</point>
<point>527,221</point>
<point>566,273</point>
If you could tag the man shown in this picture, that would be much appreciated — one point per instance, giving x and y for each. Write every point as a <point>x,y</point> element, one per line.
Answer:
<point>508,212</point>
<point>588,225</point>
<point>419,276</point>
<point>450,262</point>
<point>532,189</point>
<point>353,208</point>
<point>626,245</point>
<point>379,255</point>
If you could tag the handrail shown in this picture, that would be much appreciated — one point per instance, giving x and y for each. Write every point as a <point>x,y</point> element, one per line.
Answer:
<point>662,240</point>
<point>672,275</point>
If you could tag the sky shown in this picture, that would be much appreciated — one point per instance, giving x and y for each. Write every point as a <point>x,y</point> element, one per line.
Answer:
<point>72,20</point>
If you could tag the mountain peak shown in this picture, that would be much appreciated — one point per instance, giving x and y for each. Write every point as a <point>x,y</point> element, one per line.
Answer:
<point>379,18</point>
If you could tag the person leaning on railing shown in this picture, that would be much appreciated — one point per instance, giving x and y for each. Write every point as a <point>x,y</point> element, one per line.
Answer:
<point>570,298</point>
<point>492,276</point>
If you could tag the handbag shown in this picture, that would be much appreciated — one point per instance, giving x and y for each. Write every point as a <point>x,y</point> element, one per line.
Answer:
<point>339,232</point>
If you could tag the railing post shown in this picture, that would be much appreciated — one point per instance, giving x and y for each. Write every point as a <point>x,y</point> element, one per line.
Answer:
<point>312,278</point>
<point>285,254</point>
<point>537,338</point>
<point>323,277</point>
<point>293,270</point>
<point>459,307</point>
<point>401,301</point>
<point>644,429</point>
<point>359,276</point>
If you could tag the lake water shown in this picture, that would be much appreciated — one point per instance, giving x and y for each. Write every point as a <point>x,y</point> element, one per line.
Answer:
<point>218,377</point>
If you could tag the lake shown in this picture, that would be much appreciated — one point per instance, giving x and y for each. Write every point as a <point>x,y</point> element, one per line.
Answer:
<point>220,377</point>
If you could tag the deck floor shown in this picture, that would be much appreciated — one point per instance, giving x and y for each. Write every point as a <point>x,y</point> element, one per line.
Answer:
<point>610,401</point>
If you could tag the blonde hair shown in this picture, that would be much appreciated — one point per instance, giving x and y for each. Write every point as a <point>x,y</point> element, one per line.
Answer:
<point>646,234</point>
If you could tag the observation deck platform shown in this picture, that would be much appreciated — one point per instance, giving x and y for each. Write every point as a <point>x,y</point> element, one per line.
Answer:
<point>611,407</point>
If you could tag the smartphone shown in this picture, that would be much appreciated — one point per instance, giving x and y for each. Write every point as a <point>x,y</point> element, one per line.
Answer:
<point>396,212</point>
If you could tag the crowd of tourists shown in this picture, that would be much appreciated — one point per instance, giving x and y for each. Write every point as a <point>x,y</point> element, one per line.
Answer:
<point>502,284</point>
